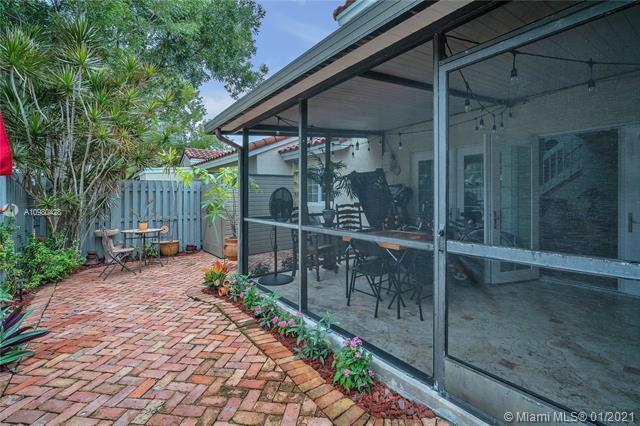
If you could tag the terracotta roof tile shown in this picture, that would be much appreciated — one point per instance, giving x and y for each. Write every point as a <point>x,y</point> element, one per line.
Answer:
<point>338,10</point>
<point>269,140</point>
<point>203,154</point>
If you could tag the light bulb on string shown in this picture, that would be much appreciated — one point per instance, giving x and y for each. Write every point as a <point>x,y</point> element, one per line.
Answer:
<point>510,113</point>
<point>357,146</point>
<point>514,71</point>
<point>368,146</point>
<point>400,142</point>
<point>278,126</point>
<point>467,101</point>
<point>476,121</point>
<point>493,128</point>
<point>481,123</point>
<point>502,119</point>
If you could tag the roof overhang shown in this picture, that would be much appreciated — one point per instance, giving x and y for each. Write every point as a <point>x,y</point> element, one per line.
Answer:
<point>380,32</point>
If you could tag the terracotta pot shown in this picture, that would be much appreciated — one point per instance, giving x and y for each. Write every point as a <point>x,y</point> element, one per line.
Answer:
<point>169,248</point>
<point>222,291</point>
<point>143,225</point>
<point>231,248</point>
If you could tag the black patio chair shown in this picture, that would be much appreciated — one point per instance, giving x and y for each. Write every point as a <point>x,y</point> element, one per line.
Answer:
<point>371,263</point>
<point>113,255</point>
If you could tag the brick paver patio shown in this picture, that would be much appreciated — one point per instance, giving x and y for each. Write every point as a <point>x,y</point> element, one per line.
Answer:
<point>136,349</point>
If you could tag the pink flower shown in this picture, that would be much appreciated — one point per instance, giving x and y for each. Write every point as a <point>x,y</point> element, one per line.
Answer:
<point>299,314</point>
<point>275,320</point>
<point>355,342</point>
<point>241,295</point>
<point>292,321</point>
<point>346,372</point>
<point>282,324</point>
<point>358,355</point>
<point>345,343</point>
<point>372,374</point>
<point>262,295</point>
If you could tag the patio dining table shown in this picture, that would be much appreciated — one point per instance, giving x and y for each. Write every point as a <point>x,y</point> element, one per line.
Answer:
<point>397,252</point>
<point>141,235</point>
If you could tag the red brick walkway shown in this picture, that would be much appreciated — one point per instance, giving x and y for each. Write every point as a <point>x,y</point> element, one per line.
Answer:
<point>135,349</point>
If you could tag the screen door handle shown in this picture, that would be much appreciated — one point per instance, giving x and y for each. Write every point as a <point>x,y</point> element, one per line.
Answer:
<point>631,222</point>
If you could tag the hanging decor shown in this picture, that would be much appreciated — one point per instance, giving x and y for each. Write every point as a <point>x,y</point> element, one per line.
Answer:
<point>6,163</point>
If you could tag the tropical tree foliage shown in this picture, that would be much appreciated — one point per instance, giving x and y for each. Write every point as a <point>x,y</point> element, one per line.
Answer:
<point>77,122</point>
<point>189,42</point>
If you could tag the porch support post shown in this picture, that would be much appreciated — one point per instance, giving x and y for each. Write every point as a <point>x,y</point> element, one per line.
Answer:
<point>303,213</point>
<point>440,213</point>
<point>327,176</point>
<point>243,187</point>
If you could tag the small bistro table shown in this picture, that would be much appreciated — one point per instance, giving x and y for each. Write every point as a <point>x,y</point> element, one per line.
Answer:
<point>397,253</point>
<point>141,236</point>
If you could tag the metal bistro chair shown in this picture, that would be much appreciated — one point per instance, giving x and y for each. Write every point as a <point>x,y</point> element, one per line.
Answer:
<point>349,218</point>
<point>113,255</point>
<point>371,263</point>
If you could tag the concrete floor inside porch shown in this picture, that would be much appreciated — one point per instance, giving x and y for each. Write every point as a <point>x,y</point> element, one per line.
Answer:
<point>575,345</point>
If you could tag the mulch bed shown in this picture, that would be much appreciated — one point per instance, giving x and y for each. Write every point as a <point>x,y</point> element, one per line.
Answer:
<point>382,402</point>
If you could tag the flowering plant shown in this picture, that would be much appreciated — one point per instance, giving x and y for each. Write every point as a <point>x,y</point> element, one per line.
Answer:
<point>215,275</point>
<point>235,285</point>
<point>353,366</point>
<point>314,343</point>
<point>285,323</point>
<point>266,308</point>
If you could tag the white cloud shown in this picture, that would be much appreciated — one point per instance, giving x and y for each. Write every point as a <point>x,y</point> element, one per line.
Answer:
<point>215,101</point>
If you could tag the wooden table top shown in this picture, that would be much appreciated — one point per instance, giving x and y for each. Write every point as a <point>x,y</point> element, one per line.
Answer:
<point>394,233</point>
<point>141,231</point>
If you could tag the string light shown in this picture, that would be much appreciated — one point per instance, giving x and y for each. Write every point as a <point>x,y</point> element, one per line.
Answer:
<point>514,70</point>
<point>368,146</point>
<point>502,119</point>
<point>481,123</point>
<point>476,121</point>
<point>400,142</point>
<point>467,101</point>
<point>493,128</point>
<point>278,126</point>
<point>357,146</point>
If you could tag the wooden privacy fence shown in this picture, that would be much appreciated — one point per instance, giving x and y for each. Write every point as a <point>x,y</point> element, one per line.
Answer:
<point>25,222</point>
<point>169,202</point>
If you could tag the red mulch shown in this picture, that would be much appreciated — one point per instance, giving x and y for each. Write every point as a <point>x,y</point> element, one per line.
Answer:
<point>382,402</point>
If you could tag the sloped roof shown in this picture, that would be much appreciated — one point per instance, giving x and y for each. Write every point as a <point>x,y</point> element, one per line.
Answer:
<point>204,154</point>
<point>269,140</point>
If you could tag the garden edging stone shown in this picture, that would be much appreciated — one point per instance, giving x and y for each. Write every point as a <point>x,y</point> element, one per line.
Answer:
<point>338,407</point>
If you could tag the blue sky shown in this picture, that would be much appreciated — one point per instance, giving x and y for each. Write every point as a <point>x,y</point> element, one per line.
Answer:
<point>289,28</point>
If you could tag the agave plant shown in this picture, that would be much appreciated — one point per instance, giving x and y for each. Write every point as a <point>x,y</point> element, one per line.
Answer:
<point>14,337</point>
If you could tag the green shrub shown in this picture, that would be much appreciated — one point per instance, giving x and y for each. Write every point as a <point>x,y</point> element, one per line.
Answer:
<point>48,261</point>
<point>250,297</point>
<point>314,343</point>
<point>8,259</point>
<point>352,363</point>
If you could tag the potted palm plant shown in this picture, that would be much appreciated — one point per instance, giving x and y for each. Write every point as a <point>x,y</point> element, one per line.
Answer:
<point>220,200</point>
<point>333,183</point>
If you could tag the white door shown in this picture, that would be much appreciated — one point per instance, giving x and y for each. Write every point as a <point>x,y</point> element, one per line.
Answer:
<point>629,221</point>
<point>471,185</point>
<point>513,194</point>
<point>422,182</point>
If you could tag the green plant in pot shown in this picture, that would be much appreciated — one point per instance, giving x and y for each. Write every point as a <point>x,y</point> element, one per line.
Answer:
<point>143,216</point>
<point>329,175</point>
<point>220,200</point>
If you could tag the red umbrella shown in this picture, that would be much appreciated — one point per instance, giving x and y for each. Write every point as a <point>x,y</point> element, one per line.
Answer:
<point>6,164</point>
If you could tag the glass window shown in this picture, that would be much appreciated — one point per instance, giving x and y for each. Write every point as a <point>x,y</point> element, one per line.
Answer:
<point>544,142</point>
